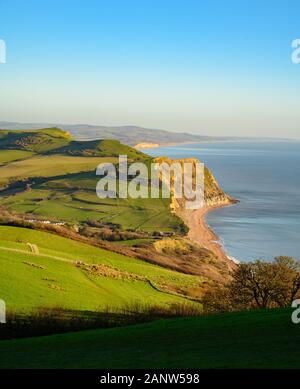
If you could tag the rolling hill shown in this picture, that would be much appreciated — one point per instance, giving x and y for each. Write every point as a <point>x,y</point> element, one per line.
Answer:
<point>56,141</point>
<point>49,174</point>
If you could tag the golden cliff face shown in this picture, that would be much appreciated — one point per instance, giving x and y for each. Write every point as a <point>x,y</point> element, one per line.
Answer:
<point>213,194</point>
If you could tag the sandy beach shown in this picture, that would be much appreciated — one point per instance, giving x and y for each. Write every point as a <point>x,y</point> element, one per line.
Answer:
<point>200,232</point>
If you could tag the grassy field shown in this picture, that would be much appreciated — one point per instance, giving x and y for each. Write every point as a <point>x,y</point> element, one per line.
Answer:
<point>257,339</point>
<point>49,275</point>
<point>13,155</point>
<point>79,205</point>
<point>48,166</point>
<point>68,193</point>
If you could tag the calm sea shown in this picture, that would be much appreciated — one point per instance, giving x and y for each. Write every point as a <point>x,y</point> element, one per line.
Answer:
<point>265,177</point>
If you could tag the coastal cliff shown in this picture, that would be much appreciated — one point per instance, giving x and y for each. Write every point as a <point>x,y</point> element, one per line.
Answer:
<point>213,195</point>
<point>198,230</point>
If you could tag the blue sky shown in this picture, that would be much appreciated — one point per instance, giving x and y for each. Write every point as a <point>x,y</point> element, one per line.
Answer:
<point>213,67</point>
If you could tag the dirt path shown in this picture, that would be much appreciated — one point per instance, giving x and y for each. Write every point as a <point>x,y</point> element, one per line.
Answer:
<point>38,255</point>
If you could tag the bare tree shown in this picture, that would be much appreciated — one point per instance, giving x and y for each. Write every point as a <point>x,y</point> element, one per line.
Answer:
<point>258,284</point>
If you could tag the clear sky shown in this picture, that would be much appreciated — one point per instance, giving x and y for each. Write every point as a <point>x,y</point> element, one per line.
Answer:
<point>210,67</point>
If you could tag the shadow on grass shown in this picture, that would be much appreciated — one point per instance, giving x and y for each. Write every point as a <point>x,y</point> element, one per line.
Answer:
<point>48,321</point>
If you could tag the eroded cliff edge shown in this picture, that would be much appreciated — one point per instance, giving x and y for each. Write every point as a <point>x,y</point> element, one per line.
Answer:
<point>198,230</point>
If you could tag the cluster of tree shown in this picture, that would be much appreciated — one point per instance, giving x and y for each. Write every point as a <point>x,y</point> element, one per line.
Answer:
<point>257,284</point>
<point>110,231</point>
<point>112,235</point>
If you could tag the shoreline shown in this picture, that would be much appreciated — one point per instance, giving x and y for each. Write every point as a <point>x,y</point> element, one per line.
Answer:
<point>149,145</point>
<point>200,232</point>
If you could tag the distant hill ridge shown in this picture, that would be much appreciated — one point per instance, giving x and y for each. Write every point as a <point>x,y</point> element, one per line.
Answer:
<point>130,135</point>
<point>58,141</point>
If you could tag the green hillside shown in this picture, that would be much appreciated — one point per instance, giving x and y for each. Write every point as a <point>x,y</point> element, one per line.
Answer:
<point>41,269</point>
<point>256,339</point>
<point>103,148</point>
<point>57,141</point>
<point>48,174</point>
<point>36,141</point>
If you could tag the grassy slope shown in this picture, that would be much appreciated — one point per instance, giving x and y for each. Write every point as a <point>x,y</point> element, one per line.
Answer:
<point>258,339</point>
<point>60,283</point>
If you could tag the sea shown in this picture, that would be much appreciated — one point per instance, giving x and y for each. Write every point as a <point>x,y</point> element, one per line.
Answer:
<point>265,178</point>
